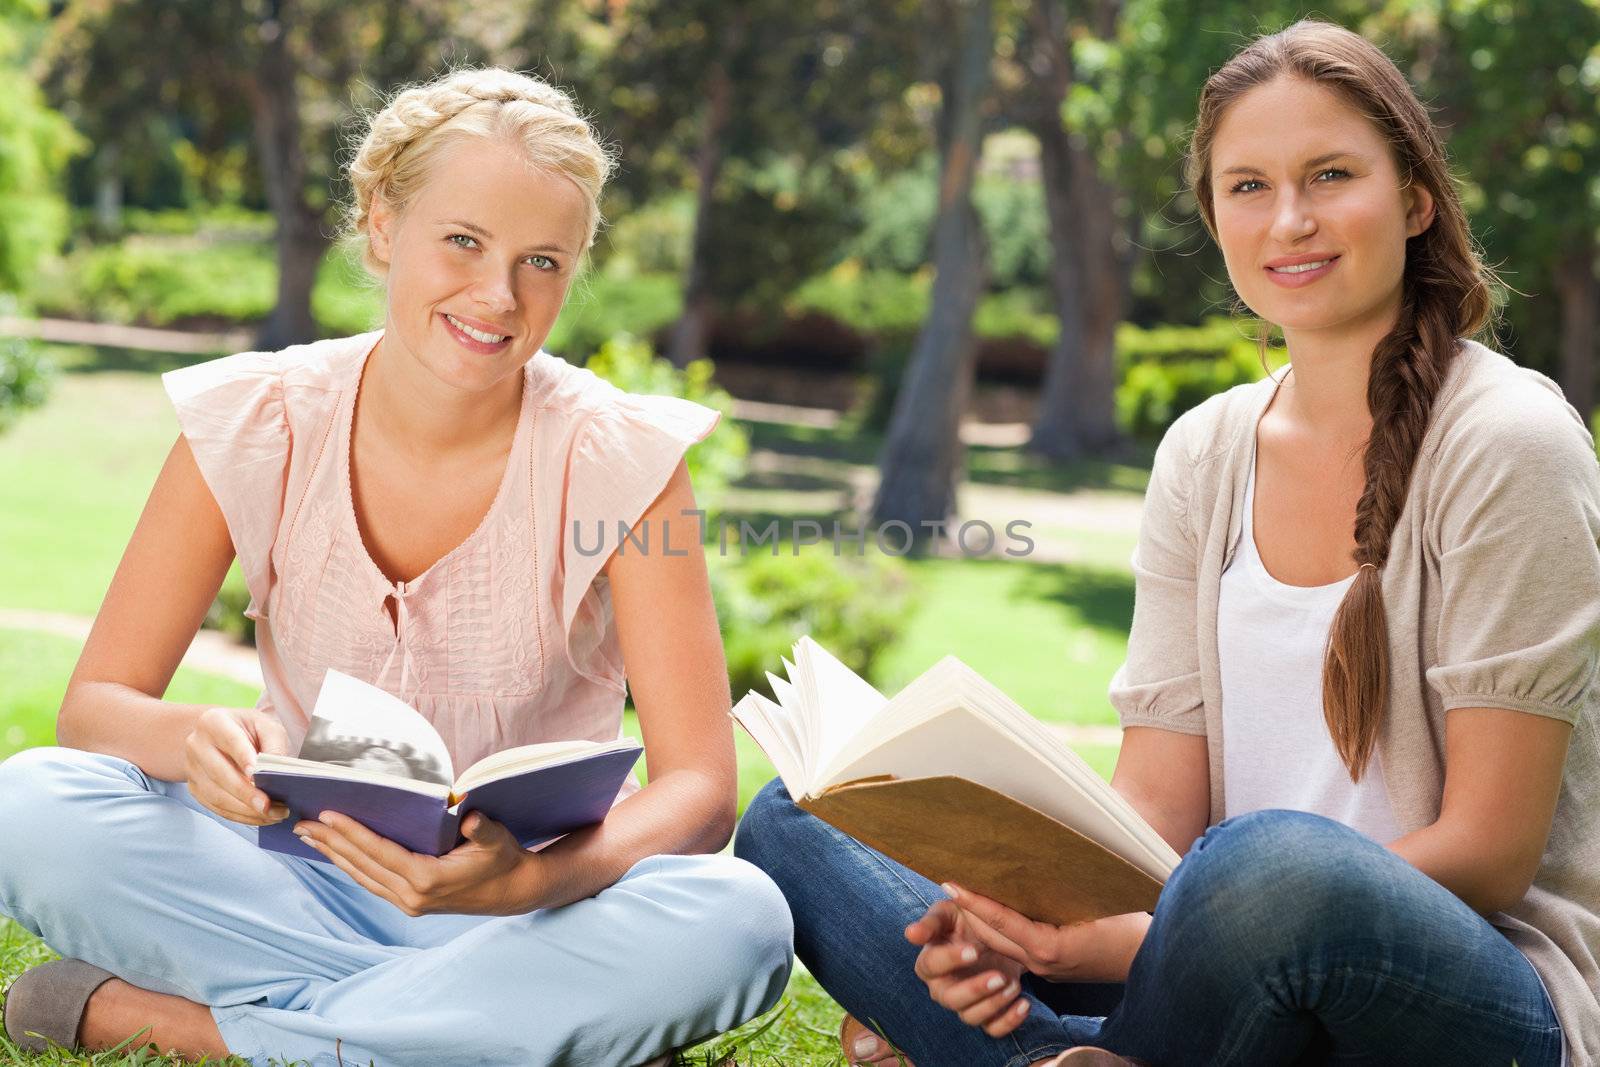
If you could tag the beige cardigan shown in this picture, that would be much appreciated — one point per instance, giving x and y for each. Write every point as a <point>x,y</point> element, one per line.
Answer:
<point>1492,595</point>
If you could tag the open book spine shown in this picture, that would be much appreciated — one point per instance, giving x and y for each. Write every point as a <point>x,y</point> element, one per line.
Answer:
<point>949,829</point>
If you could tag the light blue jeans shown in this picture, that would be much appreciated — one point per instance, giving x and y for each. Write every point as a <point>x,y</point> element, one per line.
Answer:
<point>299,962</point>
<point>1282,938</point>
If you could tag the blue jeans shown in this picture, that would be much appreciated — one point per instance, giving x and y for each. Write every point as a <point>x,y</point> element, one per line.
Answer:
<point>1283,937</point>
<point>299,962</point>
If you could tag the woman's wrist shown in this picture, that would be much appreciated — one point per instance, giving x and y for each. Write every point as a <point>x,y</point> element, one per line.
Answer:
<point>530,883</point>
<point>1135,926</point>
<point>1108,950</point>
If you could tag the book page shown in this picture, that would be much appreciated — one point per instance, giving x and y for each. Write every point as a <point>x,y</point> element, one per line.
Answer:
<point>802,734</point>
<point>268,766</point>
<point>838,702</point>
<point>773,729</point>
<point>513,761</point>
<point>361,726</point>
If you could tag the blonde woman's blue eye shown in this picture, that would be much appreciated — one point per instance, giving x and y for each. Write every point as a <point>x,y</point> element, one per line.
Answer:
<point>542,262</point>
<point>460,237</point>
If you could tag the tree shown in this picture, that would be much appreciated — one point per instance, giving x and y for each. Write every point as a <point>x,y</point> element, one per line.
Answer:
<point>299,66</point>
<point>922,452</point>
<point>761,109</point>
<point>1519,88</point>
<point>1091,258</point>
<point>35,144</point>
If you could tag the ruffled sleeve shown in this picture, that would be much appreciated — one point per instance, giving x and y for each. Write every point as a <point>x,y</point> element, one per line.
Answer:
<point>1518,536</point>
<point>1159,683</point>
<point>621,460</point>
<point>231,412</point>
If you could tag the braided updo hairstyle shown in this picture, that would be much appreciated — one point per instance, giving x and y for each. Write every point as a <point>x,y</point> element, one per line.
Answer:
<point>402,140</point>
<point>1445,295</point>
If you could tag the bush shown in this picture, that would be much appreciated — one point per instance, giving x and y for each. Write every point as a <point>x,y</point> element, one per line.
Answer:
<point>1166,370</point>
<point>346,299</point>
<point>227,611</point>
<point>854,606</point>
<point>602,305</point>
<point>26,374</point>
<point>157,281</point>
<point>629,364</point>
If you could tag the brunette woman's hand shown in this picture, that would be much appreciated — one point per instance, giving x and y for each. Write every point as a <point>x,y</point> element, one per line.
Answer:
<point>488,874</point>
<point>981,986</point>
<point>1097,951</point>
<point>219,758</point>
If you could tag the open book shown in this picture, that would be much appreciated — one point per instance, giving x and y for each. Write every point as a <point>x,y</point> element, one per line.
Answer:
<point>953,779</point>
<point>372,757</point>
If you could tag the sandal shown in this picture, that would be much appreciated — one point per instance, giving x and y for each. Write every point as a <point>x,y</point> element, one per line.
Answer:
<point>45,1005</point>
<point>845,1044</point>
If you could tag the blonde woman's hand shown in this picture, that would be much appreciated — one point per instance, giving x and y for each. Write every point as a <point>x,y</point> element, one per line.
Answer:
<point>487,874</point>
<point>219,757</point>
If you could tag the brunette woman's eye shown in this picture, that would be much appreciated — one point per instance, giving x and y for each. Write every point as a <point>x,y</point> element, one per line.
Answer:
<point>1241,185</point>
<point>1334,170</point>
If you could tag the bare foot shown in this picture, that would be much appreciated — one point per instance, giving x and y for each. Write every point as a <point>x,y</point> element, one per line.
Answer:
<point>854,1039</point>
<point>118,1010</point>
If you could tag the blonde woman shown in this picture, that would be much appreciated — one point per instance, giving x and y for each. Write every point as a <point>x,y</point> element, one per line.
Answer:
<point>403,505</point>
<point>1360,695</point>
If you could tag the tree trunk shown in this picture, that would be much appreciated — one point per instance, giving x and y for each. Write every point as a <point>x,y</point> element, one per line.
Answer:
<point>1089,274</point>
<point>275,104</point>
<point>1579,294</point>
<point>922,452</point>
<point>692,331</point>
<point>108,190</point>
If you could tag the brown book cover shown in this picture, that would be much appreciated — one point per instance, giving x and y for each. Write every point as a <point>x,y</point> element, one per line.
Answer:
<point>951,830</point>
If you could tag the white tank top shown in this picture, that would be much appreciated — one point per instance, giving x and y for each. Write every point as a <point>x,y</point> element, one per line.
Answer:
<point>1276,752</point>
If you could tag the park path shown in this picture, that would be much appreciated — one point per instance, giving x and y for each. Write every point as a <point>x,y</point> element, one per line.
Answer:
<point>1055,517</point>
<point>116,335</point>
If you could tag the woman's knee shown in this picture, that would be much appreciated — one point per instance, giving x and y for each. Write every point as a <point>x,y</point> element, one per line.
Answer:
<point>1269,881</point>
<point>46,808</point>
<point>771,828</point>
<point>730,917</point>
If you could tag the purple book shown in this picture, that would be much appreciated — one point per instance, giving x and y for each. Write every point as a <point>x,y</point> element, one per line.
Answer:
<point>372,757</point>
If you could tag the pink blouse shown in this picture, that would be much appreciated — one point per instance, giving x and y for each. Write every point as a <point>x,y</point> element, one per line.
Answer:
<point>509,638</point>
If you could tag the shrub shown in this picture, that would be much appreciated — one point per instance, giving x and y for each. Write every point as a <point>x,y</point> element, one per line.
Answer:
<point>158,280</point>
<point>854,606</point>
<point>1166,370</point>
<point>629,364</point>
<point>602,305</point>
<point>227,611</point>
<point>346,299</point>
<point>26,374</point>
